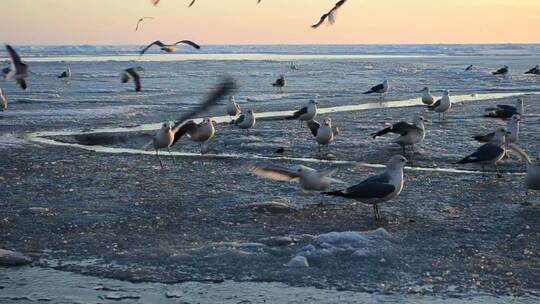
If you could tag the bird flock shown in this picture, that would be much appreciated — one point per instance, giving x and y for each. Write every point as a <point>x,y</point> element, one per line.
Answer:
<point>372,191</point>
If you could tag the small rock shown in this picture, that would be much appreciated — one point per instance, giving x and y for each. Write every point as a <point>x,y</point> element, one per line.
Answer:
<point>12,258</point>
<point>298,262</point>
<point>272,207</point>
<point>117,296</point>
<point>276,241</point>
<point>38,210</point>
<point>174,294</point>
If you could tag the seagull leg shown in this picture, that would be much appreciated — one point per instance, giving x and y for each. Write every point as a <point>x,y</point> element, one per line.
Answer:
<point>499,175</point>
<point>157,156</point>
<point>483,172</point>
<point>403,148</point>
<point>170,153</point>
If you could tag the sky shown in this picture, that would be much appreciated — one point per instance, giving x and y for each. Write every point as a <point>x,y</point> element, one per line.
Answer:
<point>112,22</point>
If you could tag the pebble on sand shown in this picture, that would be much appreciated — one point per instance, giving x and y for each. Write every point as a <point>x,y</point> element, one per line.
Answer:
<point>12,258</point>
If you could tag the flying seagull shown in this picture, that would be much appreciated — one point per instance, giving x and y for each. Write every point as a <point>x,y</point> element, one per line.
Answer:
<point>66,74</point>
<point>169,48</point>
<point>3,101</point>
<point>164,137</point>
<point>381,89</point>
<point>409,134</point>
<point>246,121</point>
<point>427,98</point>
<point>442,105</point>
<point>155,2</point>
<point>331,15</point>
<point>379,188</point>
<point>512,128</point>
<point>469,68</point>
<point>281,82</point>
<point>233,109</point>
<point>535,71</point>
<point>141,20</point>
<point>502,71</point>
<point>505,111</point>
<point>324,134</point>
<point>131,74</point>
<point>17,69</point>
<point>490,153</point>
<point>309,178</point>
<point>200,133</point>
<point>306,113</point>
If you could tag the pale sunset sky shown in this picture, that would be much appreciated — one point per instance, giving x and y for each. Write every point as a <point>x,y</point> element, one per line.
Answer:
<point>42,22</point>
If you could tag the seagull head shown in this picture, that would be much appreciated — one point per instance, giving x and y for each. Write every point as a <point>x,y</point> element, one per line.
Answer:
<point>425,89</point>
<point>446,92</point>
<point>250,111</point>
<point>301,170</point>
<point>327,121</point>
<point>313,101</point>
<point>419,120</point>
<point>397,162</point>
<point>166,126</point>
<point>501,133</point>
<point>232,98</point>
<point>515,118</point>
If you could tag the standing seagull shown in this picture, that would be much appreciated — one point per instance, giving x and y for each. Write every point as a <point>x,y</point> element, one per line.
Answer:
<point>427,98</point>
<point>305,113</point>
<point>502,71</point>
<point>535,71</point>
<point>3,101</point>
<point>309,179</point>
<point>469,68</point>
<point>141,20</point>
<point>512,128</point>
<point>163,139</point>
<point>381,89</point>
<point>281,82</point>
<point>132,74</point>
<point>377,189</point>
<point>325,134</point>
<point>233,109</point>
<point>442,105</point>
<point>505,111</point>
<point>17,69</point>
<point>490,153</point>
<point>66,74</point>
<point>169,48</point>
<point>409,134</point>
<point>200,133</point>
<point>246,121</point>
<point>331,15</point>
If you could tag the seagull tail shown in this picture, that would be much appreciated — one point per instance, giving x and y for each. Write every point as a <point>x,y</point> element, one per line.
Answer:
<point>381,132</point>
<point>368,92</point>
<point>466,160</point>
<point>334,193</point>
<point>480,138</point>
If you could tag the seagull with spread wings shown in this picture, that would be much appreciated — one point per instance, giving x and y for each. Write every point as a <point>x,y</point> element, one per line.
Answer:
<point>169,48</point>
<point>331,15</point>
<point>131,74</point>
<point>141,20</point>
<point>17,69</point>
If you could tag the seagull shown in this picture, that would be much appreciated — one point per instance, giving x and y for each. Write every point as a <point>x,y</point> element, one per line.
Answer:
<point>506,111</point>
<point>281,82</point>
<point>379,89</point>
<point>309,178</point>
<point>331,15</point>
<point>294,66</point>
<point>306,113</point>
<point>3,101</point>
<point>325,134</point>
<point>442,105</point>
<point>532,179</point>
<point>66,74</point>
<point>17,69</point>
<point>155,2</point>
<point>141,20</point>
<point>502,71</point>
<point>513,131</point>
<point>535,71</point>
<point>169,48</point>
<point>131,74</point>
<point>200,133</point>
<point>409,134</point>
<point>490,153</point>
<point>246,121</point>
<point>379,188</point>
<point>165,136</point>
<point>233,109</point>
<point>427,98</point>
<point>469,68</point>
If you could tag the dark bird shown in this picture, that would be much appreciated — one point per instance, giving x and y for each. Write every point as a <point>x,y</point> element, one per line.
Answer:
<point>377,189</point>
<point>381,88</point>
<point>281,82</point>
<point>502,71</point>
<point>491,153</point>
<point>17,69</point>
<point>534,71</point>
<point>505,111</point>
<point>66,73</point>
<point>469,68</point>
<point>154,2</point>
<point>331,15</point>
<point>141,20</point>
<point>306,113</point>
<point>169,48</point>
<point>131,74</point>
<point>409,134</point>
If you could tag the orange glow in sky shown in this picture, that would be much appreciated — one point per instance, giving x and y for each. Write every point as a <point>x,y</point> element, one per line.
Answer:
<point>271,22</point>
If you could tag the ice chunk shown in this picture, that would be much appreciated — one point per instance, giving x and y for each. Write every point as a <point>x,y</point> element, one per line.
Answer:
<point>298,262</point>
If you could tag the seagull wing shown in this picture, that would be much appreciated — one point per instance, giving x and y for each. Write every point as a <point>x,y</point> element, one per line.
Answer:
<point>313,126</point>
<point>191,4</point>
<point>298,113</point>
<point>374,187</point>
<point>155,2</point>
<point>330,15</point>
<point>485,152</point>
<point>157,42</point>
<point>484,138</point>
<point>136,78</point>
<point>189,127</point>
<point>13,57</point>
<point>273,172</point>
<point>138,22</point>
<point>240,119</point>
<point>321,21</point>
<point>188,42</point>
<point>435,105</point>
